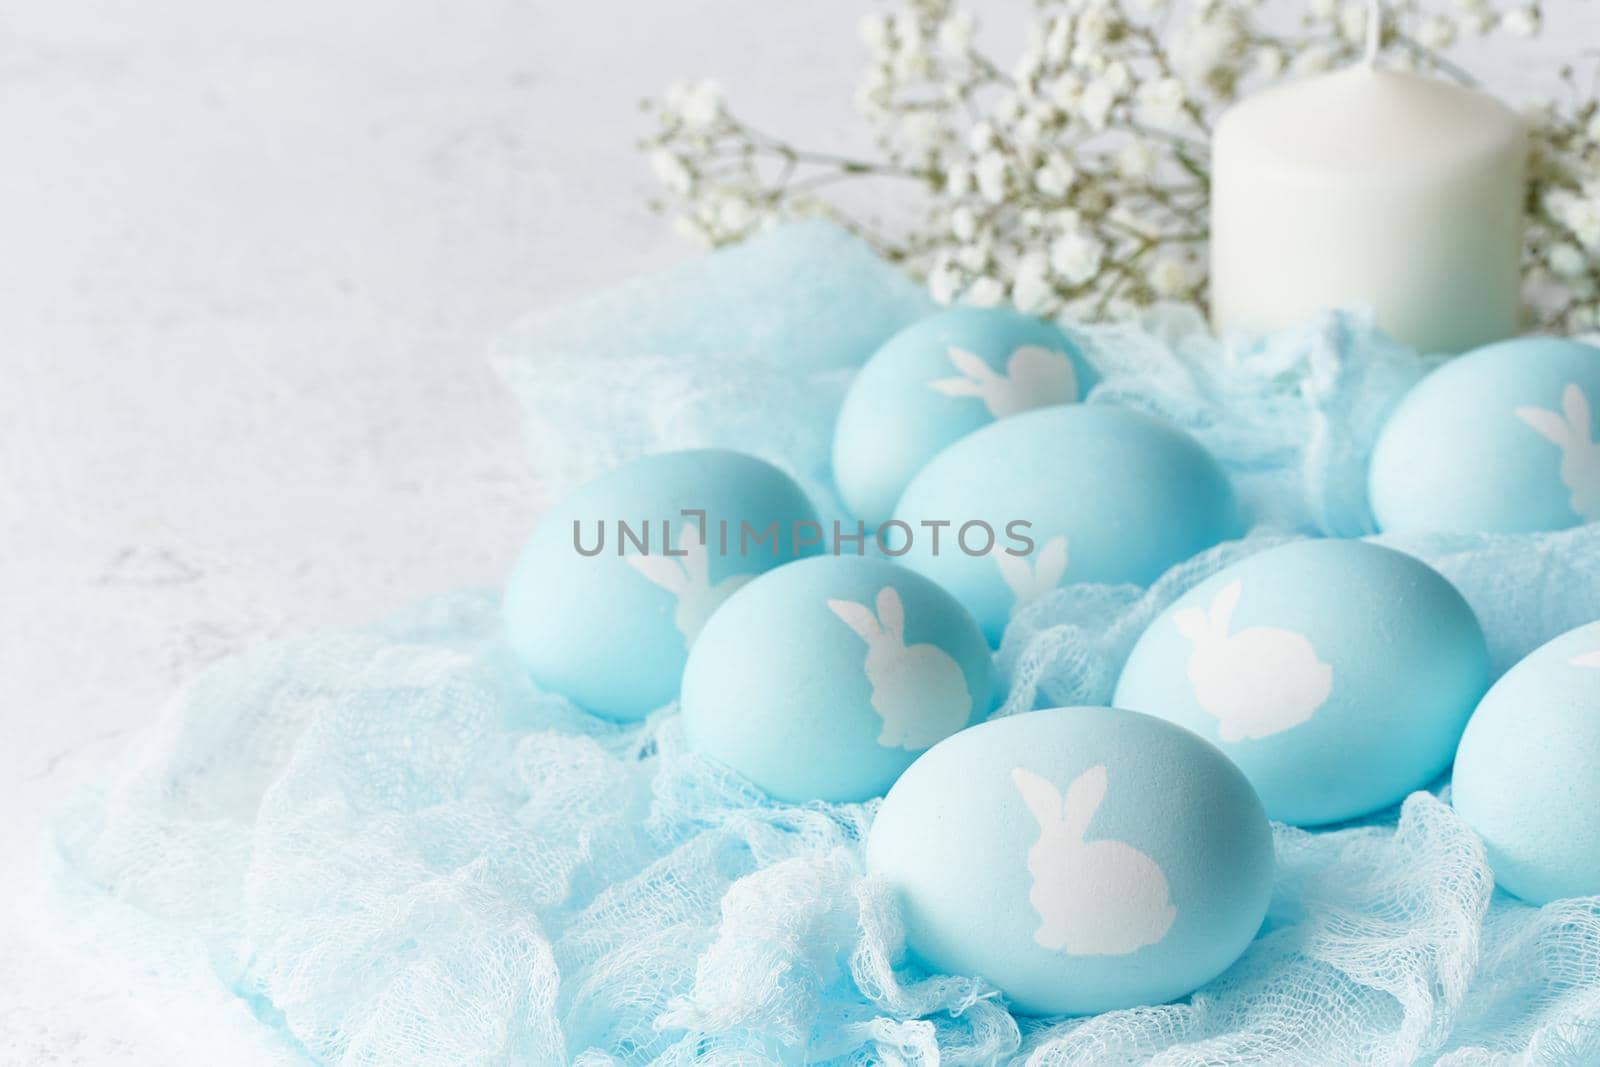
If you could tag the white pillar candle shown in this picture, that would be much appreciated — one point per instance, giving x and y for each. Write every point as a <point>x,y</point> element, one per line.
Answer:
<point>1370,188</point>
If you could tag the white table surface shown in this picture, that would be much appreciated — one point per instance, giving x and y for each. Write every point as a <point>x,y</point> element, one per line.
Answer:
<point>250,257</point>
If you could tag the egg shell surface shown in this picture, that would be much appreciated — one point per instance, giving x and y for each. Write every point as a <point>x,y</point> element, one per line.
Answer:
<point>1527,776</point>
<point>1081,859</point>
<point>612,631</point>
<point>824,679</point>
<point>936,381</point>
<point>1338,675</point>
<point>1112,496</point>
<point>1500,440</point>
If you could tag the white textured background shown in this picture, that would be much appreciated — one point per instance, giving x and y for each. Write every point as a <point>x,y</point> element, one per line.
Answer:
<point>250,257</point>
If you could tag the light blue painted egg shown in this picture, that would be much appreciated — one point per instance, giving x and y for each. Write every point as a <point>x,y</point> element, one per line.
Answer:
<point>823,680</point>
<point>1338,675</point>
<point>1527,776</point>
<point>1107,495</point>
<point>611,630</point>
<point>1501,440</point>
<point>1081,859</point>
<point>935,382</point>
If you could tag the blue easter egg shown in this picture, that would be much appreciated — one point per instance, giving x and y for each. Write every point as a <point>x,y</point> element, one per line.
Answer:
<point>1338,675</point>
<point>936,381</point>
<point>1526,775</point>
<point>605,614</point>
<point>823,680</point>
<point>1501,440</point>
<point>1083,493</point>
<point>1081,859</point>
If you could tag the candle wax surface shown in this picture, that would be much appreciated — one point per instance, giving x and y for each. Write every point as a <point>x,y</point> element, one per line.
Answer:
<point>1370,188</point>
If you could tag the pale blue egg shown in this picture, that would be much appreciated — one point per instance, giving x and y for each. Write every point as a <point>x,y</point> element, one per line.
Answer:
<point>936,381</point>
<point>1505,439</point>
<point>606,618</point>
<point>823,680</point>
<point>1081,859</point>
<point>1338,675</point>
<point>1527,775</point>
<point>1083,493</point>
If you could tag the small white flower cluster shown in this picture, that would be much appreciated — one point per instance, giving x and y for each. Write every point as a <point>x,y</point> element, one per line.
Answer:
<point>1563,241</point>
<point>1074,179</point>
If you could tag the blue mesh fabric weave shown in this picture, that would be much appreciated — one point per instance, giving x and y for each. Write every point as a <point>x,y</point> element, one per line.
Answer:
<point>391,848</point>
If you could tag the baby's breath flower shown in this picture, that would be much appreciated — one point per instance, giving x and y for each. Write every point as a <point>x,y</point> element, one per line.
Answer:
<point>1566,261</point>
<point>1313,59</point>
<point>1583,219</point>
<point>1009,108</point>
<point>944,283</point>
<point>1436,32</point>
<point>1539,112</point>
<point>1161,101</point>
<point>1095,27</point>
<point>955,33</point>
<point>1057,39</point>
<point>1207,47</point>
<point>1268,63</point>
<point>985,292</point>
<point>911,63</point>
<point>958,180</point>
<point>734,214</point>
<point>671,171</point>
<point>903,26</point>
<point>1031,288</point>
<point>1118,77</point>
<point>1521,21</point>
<point>921,130</point>
<point>697,104</point>
<point>1169,278</point>
<point>1054,178</point>
<point>972,257</point>
<point>874,31</point>
<point>1353,21</point>
<point>990,173</point>
<point>686,226</point>
<point>1136,161</point>
<point>1076,257</point>
<point>1094,106</point>
<point>1027,65</point>
<point>1065,91</point>
<point>963,223</point>
<point>1029,131</point>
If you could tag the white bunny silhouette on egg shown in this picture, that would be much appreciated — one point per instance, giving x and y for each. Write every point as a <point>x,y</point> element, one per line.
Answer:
<point>1035,377</point>
<point>1031,578</point>
<point>688,578</point>
<point>1094,898</point>
<point>1588,659</point>
<point>1569,429</point>
<point>919,691</point>
<point>1257,682</point>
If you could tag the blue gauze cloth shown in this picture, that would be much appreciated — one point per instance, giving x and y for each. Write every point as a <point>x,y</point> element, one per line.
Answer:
<point>391,848</point>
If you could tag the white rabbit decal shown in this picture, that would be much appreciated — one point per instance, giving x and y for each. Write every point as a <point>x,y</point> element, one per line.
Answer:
<point>919,691</point>
<point>1094,898</point>
<point>688,578</point>
<point>1588,659</point>
<point>1030,580</point>
<point>1035,377</point>
<point>1569,430</point>
<point>1257,682</point>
